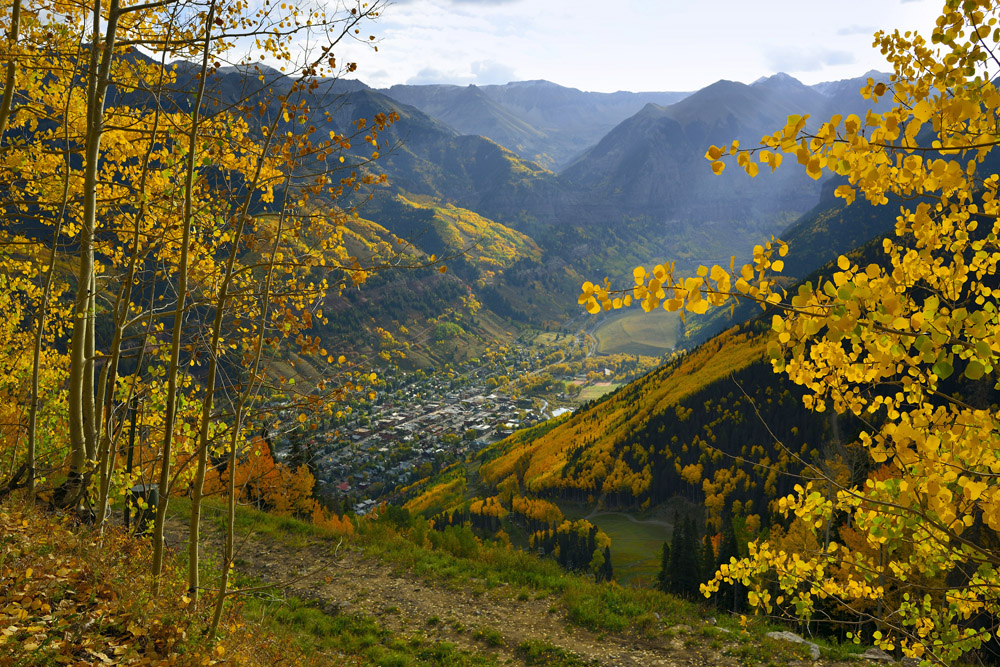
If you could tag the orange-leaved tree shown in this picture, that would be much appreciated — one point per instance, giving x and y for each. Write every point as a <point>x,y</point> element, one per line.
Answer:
<point>902,342</point>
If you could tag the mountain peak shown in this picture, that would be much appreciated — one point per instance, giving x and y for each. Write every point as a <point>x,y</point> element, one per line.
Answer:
<point>780,77</point>
<point>831,88</point>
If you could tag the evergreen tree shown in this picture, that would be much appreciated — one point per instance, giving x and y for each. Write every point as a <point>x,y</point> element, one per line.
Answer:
<point>729,595</point>
<point>676,545</point>
<point>685,560</point>
<point>690,573</point>
<point>663,578</point>
<point>607,572</point>
<point>707,558</point>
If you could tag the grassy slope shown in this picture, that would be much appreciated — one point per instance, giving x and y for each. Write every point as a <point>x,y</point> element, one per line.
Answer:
<point>593,392</point>
<point>580,614</point>
<point>636,332</point>
<point>67,594</point>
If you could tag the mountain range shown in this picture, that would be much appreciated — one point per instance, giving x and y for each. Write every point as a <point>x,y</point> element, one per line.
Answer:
<point>596,182</point>
<point>599,181</point>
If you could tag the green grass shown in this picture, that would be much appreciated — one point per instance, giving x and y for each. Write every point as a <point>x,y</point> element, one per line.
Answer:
<point>598,607</point>
<point>336,639</point>
<point>286,530</point>
<point>633,331</point>
<point>541,652</point>
<point>635,547</point>
<point>592,392</point>
<point>489,636</point>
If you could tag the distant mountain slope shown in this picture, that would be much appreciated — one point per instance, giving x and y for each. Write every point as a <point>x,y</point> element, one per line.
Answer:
<point>653,163</point>
<point>643,191</point>
<point>830,229</point>
<point>538,120</point>
<point>651,167</point>
<point>470,111</point>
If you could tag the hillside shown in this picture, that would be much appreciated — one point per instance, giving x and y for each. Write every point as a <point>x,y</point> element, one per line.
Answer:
<point>613,453</point>
<point>641,189</point>
<point>312,598</point>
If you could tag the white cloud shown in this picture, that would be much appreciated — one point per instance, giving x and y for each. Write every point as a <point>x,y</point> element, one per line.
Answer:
<point>855,29</point>
<point>431,75</point>
<point>806,59</point>
<point>486,72</point>
<point>641,45</point>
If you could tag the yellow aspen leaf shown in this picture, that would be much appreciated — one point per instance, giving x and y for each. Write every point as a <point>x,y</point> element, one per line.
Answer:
<point>845,192</point>
<point>699,307</point>
<point>718,167</point>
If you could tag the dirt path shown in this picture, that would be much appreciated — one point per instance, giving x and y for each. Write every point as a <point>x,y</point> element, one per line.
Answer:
<point>652,522</point>
<point>346,581</point>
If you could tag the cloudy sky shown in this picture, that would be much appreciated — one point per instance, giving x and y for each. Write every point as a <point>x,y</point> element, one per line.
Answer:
<point>634,45</point>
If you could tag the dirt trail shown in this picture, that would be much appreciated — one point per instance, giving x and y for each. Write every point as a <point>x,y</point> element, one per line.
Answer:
<point>347,581</point>
<point>652,522</point>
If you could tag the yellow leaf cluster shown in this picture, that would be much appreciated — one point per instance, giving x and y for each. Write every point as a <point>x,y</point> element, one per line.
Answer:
<point>908,340</point>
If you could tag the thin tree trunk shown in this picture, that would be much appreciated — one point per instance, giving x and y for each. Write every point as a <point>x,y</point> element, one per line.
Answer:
<point>91,417</point>
<point>197,487</point>
<point>81,394</point>
<point>43,309</point>
<point>109,375</point>
<point>182,287</point>
<point>220,599</point>
<point>227,559</point>
<point>7,103</point>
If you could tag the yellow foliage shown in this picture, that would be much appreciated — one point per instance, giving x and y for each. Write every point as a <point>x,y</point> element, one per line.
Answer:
<point>879,340</point>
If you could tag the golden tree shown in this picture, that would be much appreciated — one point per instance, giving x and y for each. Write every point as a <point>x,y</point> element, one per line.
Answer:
<point>203,220</point>
<point>882,340</point>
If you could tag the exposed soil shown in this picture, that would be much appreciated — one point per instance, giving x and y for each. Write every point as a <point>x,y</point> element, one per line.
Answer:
<point>346,581</point>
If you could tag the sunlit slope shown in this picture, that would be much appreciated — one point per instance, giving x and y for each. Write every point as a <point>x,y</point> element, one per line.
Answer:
<point>487,245</point>
<point>589,439</point>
